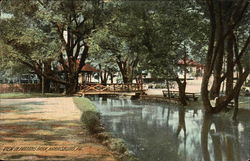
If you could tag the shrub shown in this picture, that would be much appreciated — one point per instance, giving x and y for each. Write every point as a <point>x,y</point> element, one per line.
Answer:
<point>92,120</point>
<point>90,117</point>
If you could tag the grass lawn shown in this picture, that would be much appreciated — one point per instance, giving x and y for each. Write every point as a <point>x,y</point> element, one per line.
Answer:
<point>28,95</point>
<point>84,104</point>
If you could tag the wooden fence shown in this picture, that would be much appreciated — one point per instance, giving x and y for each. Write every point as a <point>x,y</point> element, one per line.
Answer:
<point>133,87</point>
<point>6,88</point>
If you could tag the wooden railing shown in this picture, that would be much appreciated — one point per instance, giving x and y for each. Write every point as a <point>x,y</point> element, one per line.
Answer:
<point>111,87</point>
<point>5,88</point>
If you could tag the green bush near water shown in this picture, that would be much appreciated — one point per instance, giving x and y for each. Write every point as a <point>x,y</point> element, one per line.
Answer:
<point>90,117</point>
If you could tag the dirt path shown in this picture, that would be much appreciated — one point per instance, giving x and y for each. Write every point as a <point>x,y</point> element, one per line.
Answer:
<point>46,129</point>
<point>193,86</point>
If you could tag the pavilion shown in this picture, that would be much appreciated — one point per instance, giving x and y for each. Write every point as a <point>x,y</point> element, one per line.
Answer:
<point>87,71</point>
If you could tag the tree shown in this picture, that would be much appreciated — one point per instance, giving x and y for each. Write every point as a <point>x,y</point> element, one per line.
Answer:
<point>120,39</point>
<point>150,33</point>
<point>174,37</point>
<point>23,43</point>
<point>103,58</point>
<point>229,42</point>
<point>73,22</point>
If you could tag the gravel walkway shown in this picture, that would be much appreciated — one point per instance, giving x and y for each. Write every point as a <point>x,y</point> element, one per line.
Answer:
<point>46,129</point>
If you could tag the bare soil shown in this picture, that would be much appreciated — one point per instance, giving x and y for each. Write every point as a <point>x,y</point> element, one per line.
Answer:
<point>46,129</point>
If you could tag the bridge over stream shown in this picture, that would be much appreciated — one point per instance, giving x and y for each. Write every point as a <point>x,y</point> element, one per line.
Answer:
<point>111,89</point>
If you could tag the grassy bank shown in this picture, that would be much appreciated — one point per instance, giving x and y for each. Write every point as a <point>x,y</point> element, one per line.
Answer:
<point>27,95</point>
<point>84,104</point>
<point>91,119</point>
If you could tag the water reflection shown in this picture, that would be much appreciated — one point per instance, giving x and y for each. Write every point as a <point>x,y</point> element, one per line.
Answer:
<point>171,133</point>
<point>227,144</point>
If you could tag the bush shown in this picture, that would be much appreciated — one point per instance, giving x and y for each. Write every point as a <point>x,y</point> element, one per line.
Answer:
<point>90,117</point>
<point>92,120</point>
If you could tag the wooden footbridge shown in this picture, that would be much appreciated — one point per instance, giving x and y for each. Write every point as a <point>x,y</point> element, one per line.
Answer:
<point>111,89</point>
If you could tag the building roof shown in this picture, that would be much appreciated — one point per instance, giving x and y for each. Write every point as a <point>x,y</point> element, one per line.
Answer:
<point>190,62</point>
<point>85,68</point>
<point>89,68</point>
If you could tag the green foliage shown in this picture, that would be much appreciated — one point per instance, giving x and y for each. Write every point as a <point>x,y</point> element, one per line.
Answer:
<point>51,33</point>
<point>132,36</point>
<point>158,33</point>
<point>91,120</point>
<point>90,117</point>
<point>120,42</point>
<point>178,29</point>
<point>27,40</point>
<point>84,104</point>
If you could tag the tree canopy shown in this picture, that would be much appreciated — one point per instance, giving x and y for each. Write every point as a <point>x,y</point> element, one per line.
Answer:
<point>129,37</point>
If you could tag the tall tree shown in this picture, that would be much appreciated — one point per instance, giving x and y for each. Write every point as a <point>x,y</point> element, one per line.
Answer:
<point>174,37</point>
<point>22,42</point>
<point>121,38</point>
<point>72,21</point>
<point>229,42</point>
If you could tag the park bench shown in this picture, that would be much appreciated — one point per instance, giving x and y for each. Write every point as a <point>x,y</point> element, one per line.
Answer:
<point>175,94</point>
<point>191,95</point>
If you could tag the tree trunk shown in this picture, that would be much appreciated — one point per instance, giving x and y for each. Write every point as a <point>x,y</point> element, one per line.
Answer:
<point>218,57</point>
<point>223,101</point>
<point>71,87</point>
<point>127,69</point>
<point>224,22</point>
<point>215,89</point>
<point>204,90</point>
<point>111,78</point>
<point>48,71</point>
<point>236,106</point>
<point>230,66</point>
<point>47,86</point>
<point>168,88</point>
<point>182,90</point>
<point>125,75</point>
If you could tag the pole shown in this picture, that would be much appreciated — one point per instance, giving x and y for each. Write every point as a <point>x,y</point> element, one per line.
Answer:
<point>42,79</point>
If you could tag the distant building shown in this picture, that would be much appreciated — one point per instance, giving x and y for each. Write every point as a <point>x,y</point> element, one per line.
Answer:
<point>20,78</point>
<point>87,74</point>
<point>194,69</point>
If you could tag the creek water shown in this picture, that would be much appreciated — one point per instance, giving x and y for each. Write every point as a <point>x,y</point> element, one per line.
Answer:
<point>164,132</point>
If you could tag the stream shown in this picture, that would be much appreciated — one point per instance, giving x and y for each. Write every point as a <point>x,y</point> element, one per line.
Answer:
<point>166,132</point>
